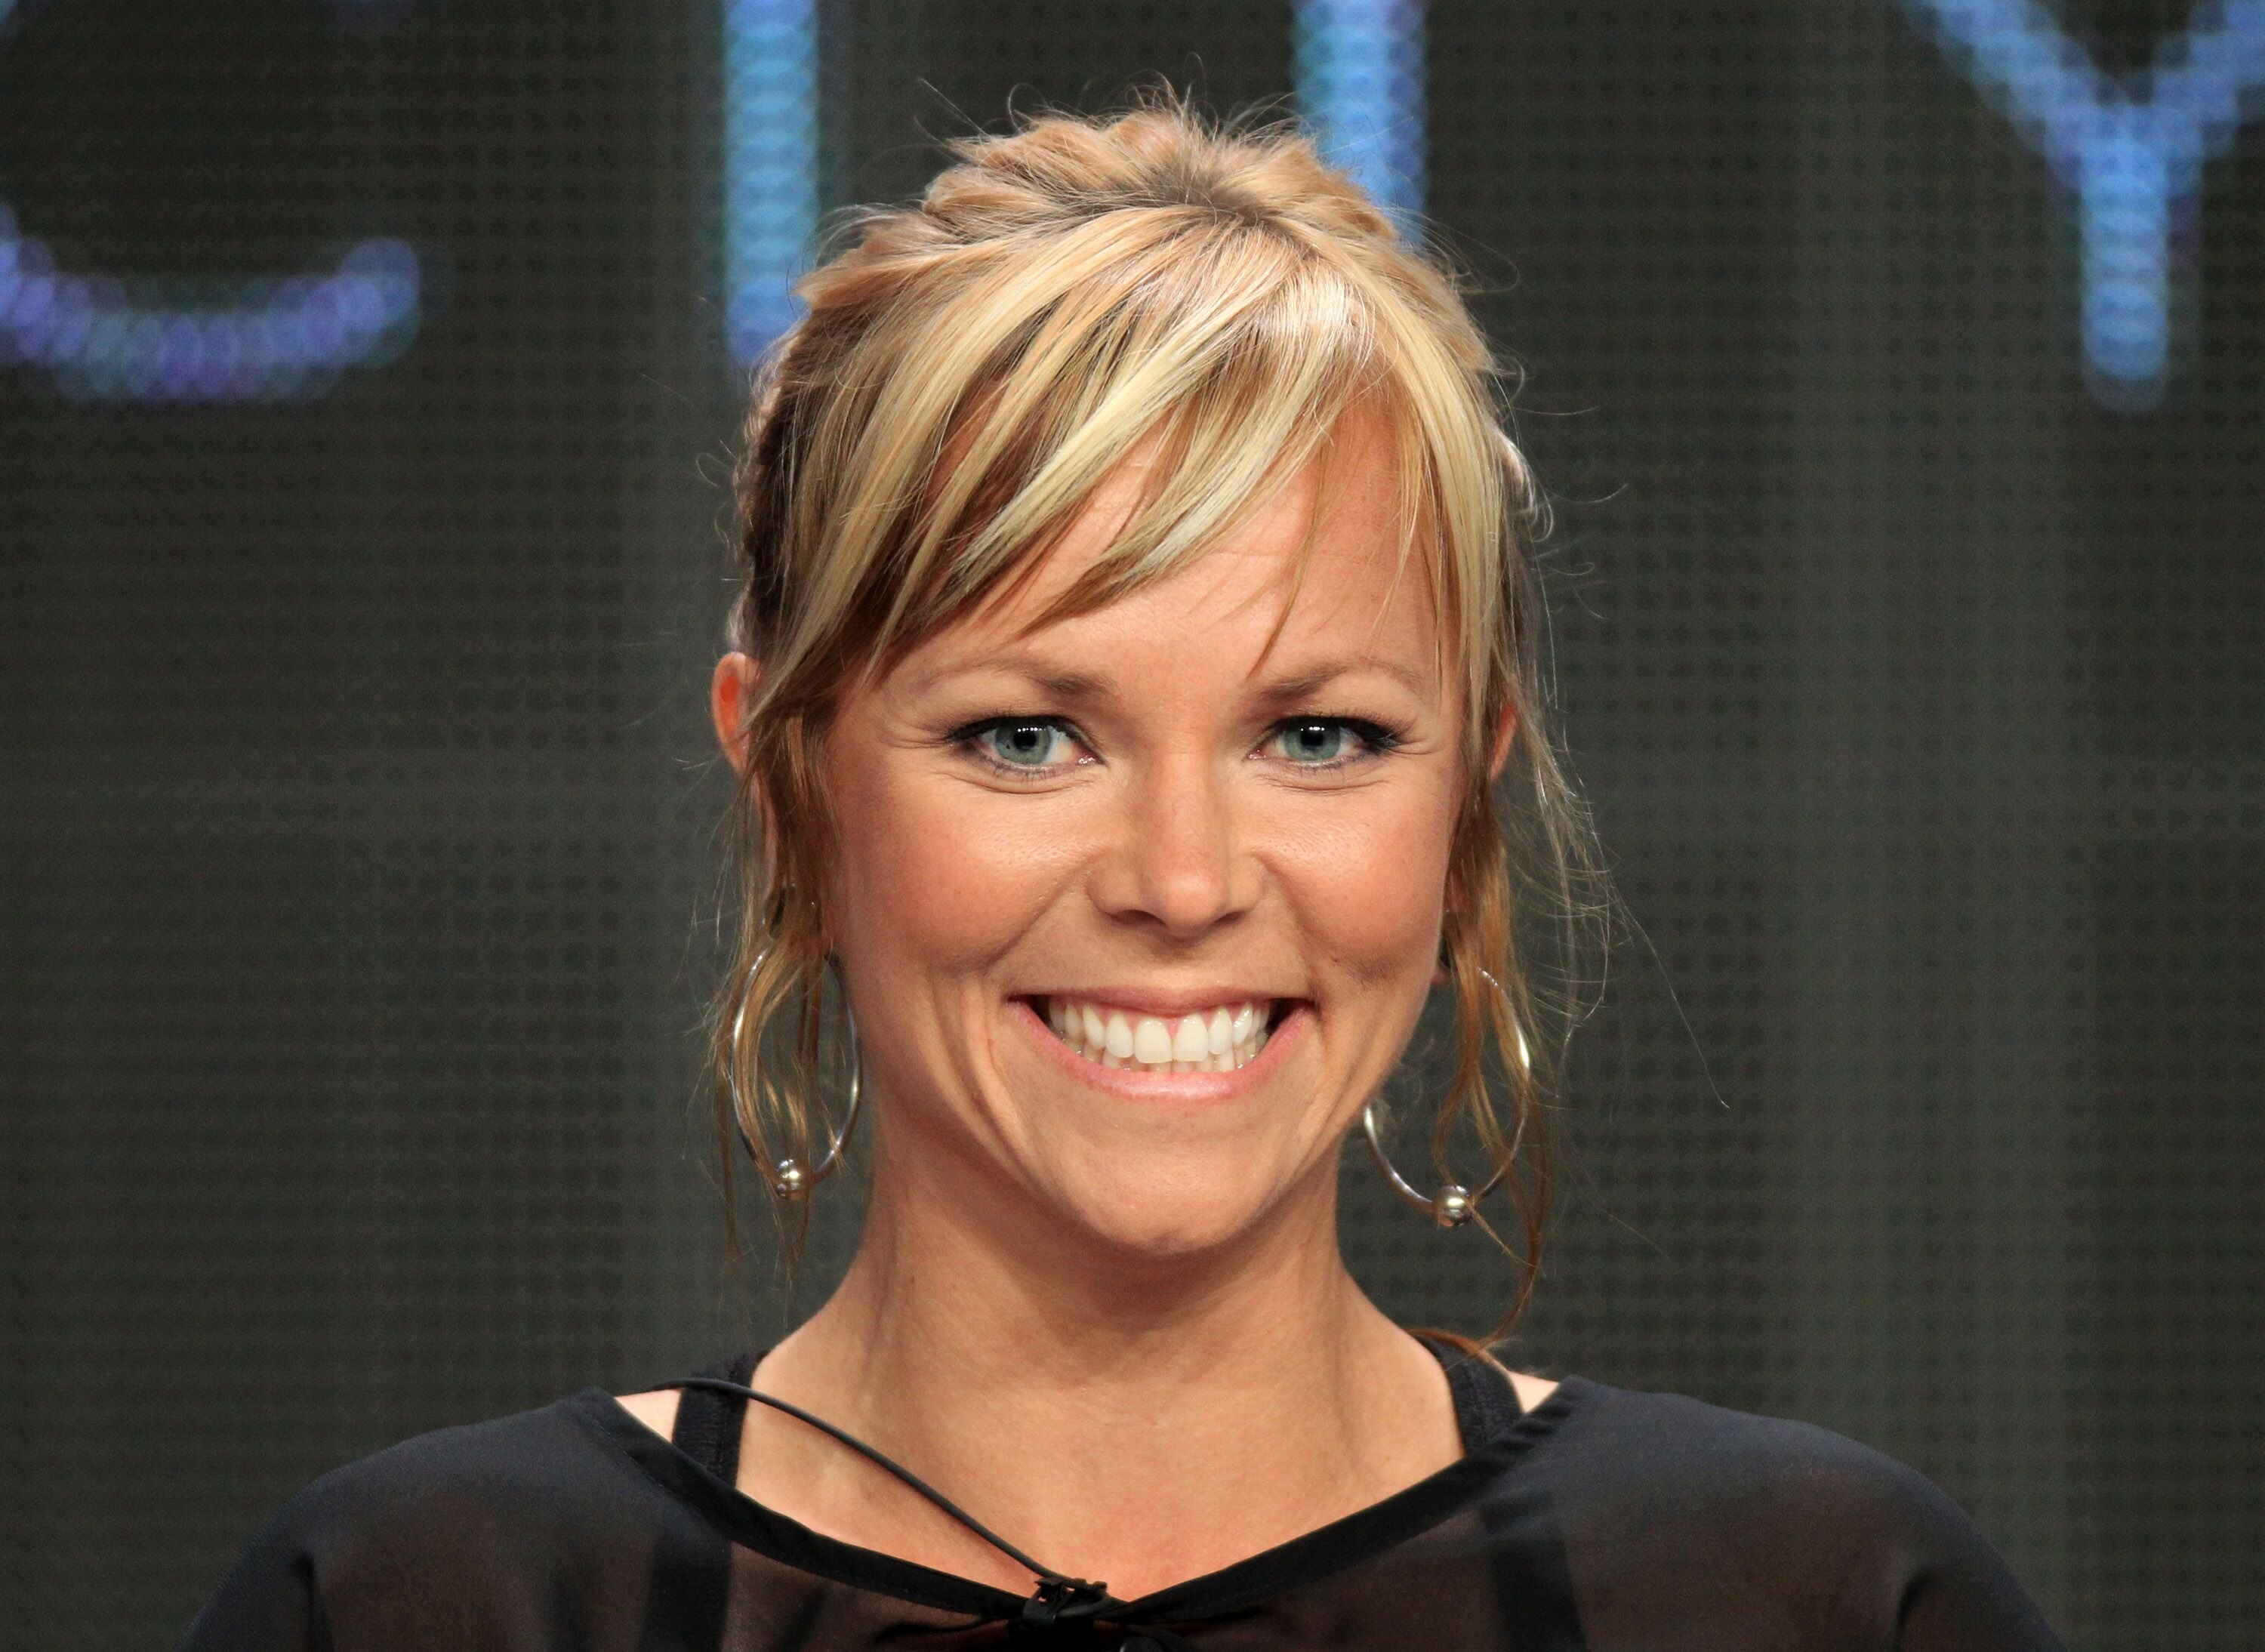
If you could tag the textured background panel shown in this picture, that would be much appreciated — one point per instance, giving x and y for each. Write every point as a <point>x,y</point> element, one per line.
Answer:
<point>357,814</point>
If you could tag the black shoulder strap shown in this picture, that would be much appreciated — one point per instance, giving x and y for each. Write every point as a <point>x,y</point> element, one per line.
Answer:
<point>709,1421</point>
<point>1486,1400</point>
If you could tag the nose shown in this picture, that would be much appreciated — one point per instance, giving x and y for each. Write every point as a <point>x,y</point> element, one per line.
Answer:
<point>1177,862</point>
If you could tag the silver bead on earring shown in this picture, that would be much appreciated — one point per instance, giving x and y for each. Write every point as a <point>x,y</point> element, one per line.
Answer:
<point>788,1178</point>
<point>1451,1205</point>
<point>1454,1204</point>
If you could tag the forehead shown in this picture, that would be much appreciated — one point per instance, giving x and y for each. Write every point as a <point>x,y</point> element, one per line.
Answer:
<point>1321,572</point>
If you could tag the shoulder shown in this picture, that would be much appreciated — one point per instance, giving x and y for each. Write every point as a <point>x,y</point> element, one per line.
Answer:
<point>1778,1482</point>
<point>1670,1445</point>
<point>474,1515</point>
<point>1666,1498</point>
<point>530,1466</point>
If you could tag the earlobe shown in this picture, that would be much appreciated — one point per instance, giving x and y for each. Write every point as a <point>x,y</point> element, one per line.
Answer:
<point>730,692</point>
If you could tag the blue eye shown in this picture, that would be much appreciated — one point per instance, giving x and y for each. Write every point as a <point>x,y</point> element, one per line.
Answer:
<point>1320,741</point>
<point>1024,745</point>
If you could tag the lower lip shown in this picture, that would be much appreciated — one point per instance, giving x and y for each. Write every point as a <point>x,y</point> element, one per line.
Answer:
<point>1196,1087</point>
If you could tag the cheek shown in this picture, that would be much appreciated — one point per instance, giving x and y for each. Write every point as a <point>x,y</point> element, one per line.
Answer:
<point>1366,881</point>
<point>935,876</point>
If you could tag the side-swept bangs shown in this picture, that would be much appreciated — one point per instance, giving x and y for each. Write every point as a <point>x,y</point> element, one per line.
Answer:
<point>1231,349</point>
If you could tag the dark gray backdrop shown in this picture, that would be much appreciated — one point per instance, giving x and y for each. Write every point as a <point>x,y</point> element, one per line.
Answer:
<point>358,810</point>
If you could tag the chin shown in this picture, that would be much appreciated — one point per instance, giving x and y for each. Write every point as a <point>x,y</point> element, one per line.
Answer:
<point>1155,1209</point>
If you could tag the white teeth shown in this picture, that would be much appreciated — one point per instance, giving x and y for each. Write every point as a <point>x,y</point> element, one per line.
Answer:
<point>1152,1043</point>
<point>1217,1040</point>
<point>1191,1042</point>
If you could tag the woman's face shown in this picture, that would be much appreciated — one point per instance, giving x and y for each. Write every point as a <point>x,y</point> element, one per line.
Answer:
<point>1137,911</point>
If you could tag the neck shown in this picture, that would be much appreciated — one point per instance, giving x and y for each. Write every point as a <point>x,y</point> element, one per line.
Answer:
<point>1056,1389</point>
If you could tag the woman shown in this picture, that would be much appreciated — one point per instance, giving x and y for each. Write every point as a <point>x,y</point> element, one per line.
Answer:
<point>1136,636</point>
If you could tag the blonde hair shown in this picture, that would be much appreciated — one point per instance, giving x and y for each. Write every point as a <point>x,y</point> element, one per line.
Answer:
<point>1059,295</point>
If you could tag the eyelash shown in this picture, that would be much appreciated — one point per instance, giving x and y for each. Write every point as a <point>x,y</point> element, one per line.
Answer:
<point>1377,740</point>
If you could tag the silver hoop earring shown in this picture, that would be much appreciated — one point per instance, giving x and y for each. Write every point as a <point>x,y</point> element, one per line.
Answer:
<point>1454,1204</point>
<point>788,1178</point>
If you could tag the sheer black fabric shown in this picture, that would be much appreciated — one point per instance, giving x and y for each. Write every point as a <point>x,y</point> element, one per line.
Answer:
<point>1604,1519</point>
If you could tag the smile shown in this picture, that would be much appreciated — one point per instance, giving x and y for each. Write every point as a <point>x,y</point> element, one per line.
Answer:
<point>1223,1039</point>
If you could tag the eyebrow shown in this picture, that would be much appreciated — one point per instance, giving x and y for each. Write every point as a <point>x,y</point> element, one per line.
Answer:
<point>1062,685</point>
<point>1310,682</point>
<point>1077,687</point>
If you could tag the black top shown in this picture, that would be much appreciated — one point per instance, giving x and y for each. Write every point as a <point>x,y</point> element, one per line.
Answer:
<point>1604,1519</point>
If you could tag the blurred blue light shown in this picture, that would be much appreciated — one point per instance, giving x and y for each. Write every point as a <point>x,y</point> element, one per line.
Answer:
<point>2132,153</point>
<point>1360,75</point>
<point>271,340</point>
<point>770,165</point>
<point>282,341</point>
<point>1359,68</point>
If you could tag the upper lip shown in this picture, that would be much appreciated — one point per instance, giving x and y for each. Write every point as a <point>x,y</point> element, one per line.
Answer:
<point>1161,1001</point>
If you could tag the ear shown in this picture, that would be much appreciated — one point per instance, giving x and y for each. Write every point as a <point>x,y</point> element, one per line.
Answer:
<point>1504,733</point>
<point>730,693</point>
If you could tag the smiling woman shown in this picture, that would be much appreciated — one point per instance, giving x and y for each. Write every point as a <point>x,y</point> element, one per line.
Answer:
<point>1027,498</point>
<point>1067,847</point>
<point>1134,694</point>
